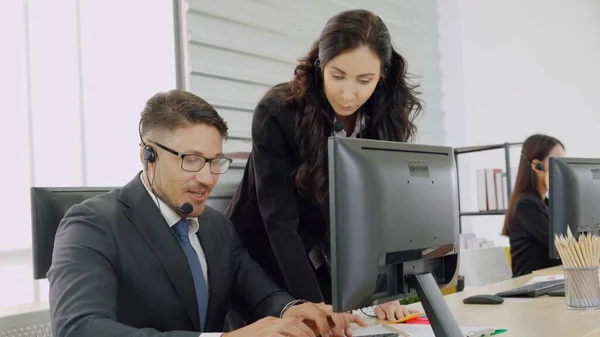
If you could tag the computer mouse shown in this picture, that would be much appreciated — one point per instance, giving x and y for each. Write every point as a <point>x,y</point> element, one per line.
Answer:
<point>483,299</point>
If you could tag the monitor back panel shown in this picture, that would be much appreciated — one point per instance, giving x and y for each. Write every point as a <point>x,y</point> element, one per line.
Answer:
<point>390,203</point>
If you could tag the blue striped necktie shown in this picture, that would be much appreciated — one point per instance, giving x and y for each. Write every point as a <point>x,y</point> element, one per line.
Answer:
<point>182,229</point>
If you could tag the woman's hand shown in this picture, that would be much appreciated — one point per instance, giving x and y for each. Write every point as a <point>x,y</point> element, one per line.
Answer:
<point>392,311</point>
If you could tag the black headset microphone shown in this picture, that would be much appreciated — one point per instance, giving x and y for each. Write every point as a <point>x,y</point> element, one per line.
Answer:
<point>186,209</point>
<point>150,157</point>
<point>338,126</point>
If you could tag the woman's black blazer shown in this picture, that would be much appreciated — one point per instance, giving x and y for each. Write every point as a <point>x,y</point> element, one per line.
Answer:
<point>277,225</point>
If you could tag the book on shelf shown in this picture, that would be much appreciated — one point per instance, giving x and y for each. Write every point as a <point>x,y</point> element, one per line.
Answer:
<point>492,189</point>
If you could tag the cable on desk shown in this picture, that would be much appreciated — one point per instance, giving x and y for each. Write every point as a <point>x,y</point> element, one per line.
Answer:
<point>368,315</point>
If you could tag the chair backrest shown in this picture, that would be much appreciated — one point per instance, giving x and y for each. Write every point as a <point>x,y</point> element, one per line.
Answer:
<point>482,266</point>
<point>32,320</point>
<point>48,207</point>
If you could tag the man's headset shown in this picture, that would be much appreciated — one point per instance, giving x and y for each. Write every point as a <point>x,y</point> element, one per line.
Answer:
<point>149,155</point>
<point>538,166</point>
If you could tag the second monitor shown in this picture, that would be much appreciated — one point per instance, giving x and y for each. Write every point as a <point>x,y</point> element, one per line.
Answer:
<point>394,225</point>
<point>574,197</point>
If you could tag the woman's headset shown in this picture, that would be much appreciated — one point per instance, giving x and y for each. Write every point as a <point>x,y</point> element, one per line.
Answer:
<point>538,166</point>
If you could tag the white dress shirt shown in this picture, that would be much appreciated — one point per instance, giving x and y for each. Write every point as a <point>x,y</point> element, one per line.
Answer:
<point>172,218</point>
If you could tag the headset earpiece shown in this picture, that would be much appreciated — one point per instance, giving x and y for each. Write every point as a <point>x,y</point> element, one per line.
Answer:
<point>317,68</point>
<point>537,165</point>
<point>149,156</point>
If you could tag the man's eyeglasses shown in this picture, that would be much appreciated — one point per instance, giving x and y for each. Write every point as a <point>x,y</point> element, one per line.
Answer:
<point>195,163</point>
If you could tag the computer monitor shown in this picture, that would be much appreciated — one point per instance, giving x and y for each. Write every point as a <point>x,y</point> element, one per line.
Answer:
<point>394,225</point>
<point>48,206</point>
<point>574,197</point>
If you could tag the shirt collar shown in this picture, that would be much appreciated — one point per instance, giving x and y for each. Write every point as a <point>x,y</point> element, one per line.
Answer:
<point>358,127</point>
<point>170,216</point>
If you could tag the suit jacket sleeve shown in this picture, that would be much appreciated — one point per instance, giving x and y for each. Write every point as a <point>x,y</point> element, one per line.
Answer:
<point>278,205</point>
<point>252,284</point>
<point>83,281</point>
<point>534,219</point>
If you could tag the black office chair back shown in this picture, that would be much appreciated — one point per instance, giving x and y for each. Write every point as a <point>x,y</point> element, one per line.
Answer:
<point>48,207</point>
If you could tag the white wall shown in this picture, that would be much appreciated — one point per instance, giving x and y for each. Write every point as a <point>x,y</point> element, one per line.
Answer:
<point>74,78</point>
<point>529,66</point>
<point>452,91</point>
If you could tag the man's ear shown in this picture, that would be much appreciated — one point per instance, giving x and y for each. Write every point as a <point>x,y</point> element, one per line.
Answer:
<point>142,154</point>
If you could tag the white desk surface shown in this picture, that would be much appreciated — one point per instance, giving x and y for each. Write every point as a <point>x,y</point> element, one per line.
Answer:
<point>539,317</point>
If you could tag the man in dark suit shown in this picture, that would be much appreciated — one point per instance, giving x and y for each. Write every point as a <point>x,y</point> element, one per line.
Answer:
<point>151,259</point>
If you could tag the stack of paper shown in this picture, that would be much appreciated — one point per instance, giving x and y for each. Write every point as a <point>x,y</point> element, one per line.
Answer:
<point>545,278</point>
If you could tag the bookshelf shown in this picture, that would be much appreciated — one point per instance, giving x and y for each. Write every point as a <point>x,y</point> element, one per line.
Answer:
<point>473,149</point>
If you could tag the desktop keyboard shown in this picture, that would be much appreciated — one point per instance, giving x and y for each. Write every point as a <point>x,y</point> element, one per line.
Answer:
<point>533,290</point>
<point>367,312</point>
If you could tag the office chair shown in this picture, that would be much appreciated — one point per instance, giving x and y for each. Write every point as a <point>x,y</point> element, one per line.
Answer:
<point>482,266</point>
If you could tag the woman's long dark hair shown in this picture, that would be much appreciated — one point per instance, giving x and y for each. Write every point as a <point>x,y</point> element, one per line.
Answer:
<point>535,147</point>
<point>389,113</point>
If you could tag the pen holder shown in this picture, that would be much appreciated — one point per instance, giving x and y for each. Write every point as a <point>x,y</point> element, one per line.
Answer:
<point>582,288</point>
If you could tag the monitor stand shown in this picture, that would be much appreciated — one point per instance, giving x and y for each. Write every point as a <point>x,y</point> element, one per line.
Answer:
<point>437,311</point>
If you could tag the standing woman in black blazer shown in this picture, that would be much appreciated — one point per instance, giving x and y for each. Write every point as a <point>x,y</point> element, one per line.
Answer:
<point>527,220</point>
<point>351,83</point>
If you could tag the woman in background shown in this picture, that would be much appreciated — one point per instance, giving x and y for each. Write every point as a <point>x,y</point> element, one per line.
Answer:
<point>351,83</point>
<point>527,220</point>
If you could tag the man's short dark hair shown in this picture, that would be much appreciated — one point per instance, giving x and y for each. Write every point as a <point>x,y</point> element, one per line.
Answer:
<point>169,111</point>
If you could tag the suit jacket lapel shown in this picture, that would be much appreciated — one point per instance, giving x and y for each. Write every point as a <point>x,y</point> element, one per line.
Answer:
<point>211,252</point>
<point>145,216</point>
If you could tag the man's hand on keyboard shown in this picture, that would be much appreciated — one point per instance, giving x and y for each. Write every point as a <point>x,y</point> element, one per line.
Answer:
<point>392,311</point>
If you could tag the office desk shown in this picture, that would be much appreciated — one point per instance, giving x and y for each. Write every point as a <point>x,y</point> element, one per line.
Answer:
<point>549,271</point>
<point>542,316</point>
